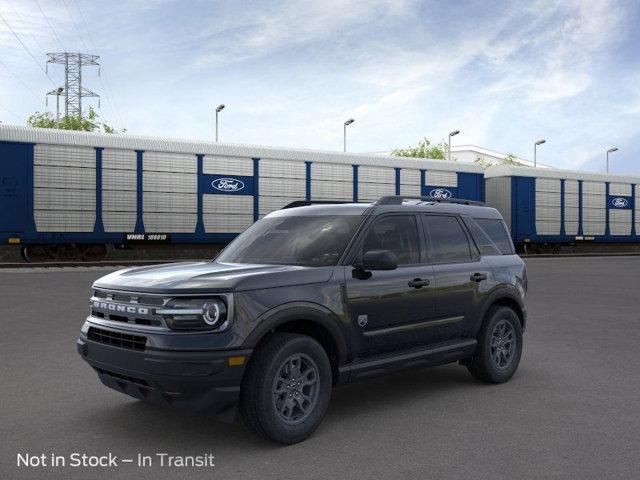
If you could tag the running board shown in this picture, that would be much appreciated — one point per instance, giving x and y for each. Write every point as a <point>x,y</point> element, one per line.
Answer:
<point>418,357</point>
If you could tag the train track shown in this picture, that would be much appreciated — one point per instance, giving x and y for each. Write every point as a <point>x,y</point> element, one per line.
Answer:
<point>140,263</point>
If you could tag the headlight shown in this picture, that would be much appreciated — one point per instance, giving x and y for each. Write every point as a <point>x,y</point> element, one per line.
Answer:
<point>195,314</point>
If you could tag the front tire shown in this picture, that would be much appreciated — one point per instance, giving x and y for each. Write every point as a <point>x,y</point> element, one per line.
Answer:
<point>499,349</point>
<point>287,388</point>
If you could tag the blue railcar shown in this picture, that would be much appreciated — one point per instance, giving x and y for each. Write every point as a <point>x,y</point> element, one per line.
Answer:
<point>85,191</point>
<point>549,208</point>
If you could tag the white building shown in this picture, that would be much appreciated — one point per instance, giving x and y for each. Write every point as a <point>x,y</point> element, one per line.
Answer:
<point>470,153</point>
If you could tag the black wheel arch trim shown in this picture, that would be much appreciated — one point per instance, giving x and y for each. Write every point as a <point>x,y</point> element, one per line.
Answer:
<point>297,311</point>
<point>503,293</point>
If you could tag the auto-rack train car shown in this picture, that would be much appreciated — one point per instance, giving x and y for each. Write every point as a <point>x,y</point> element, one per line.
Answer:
<point>78,192</point>
<point>546,209</point>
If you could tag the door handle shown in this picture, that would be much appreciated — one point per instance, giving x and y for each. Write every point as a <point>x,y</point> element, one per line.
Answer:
<point>478,277</point>
<point>418,283</point>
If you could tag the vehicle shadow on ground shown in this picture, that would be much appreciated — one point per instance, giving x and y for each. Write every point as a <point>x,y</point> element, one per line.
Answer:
<point>377,396</point>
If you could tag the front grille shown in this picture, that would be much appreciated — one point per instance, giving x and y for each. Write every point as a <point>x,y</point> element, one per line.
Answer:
<point>117,339</point>
<point>128,308</point>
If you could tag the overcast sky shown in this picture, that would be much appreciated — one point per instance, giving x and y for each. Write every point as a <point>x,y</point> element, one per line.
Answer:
<point>504,73</point>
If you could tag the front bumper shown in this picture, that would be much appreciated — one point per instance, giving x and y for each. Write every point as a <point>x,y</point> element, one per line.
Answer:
<point>195,380</point>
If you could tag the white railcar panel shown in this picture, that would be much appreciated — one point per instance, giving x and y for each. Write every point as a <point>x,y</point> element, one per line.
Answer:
<point>439,178</point>
<point>63,199</point>
<point>623,189</point>
<point>620,222</point>
<point>223,223</point>
<point>571,186</point>
<point>64,177</point>
<point>169,182</point>
<point>594,188</point>
<point>64,156</point>
<point>332,171</point>
<point>169,162</point>
<point>229,204</point>
<point>213,164</point>
<point>410,176</point>
<point>170,202</point>
<point>411,190</point>
<point>331,190</point>
<point>368,192</point>
<point>571,200</point>
<point>571,219</point>
<point>119,201</point>
<point>282,169</point>
<point>119,221</point>
<point>545,199</point>
<point>377,175</point>
<point>271,204</point>
<point>170,222</point>
<point>498,195</point>
<point>283,187</point>
<point>547,228</point>
<point>123,180</point>
<point>593,228</point>
<point>547,185</point>
<point>64,220</point>
<point>119,159</point>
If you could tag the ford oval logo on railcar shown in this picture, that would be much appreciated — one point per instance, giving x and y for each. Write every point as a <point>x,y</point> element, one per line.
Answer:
<point>228,184</point>
<point>619,202</point>
<point>440,193</point>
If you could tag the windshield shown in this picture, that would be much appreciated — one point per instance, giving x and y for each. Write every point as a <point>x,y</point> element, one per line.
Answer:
<point>314,241</point>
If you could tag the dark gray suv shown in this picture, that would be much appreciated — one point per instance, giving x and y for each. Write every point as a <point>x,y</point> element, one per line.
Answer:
<point>308,298</point>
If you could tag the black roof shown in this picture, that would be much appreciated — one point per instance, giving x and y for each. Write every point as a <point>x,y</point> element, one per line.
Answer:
<point>390,204</point>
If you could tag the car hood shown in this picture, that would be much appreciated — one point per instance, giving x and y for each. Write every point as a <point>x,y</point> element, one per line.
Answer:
<point>194,277</point>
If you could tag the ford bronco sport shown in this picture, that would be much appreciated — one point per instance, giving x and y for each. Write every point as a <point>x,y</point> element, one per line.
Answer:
<point>310,297</point>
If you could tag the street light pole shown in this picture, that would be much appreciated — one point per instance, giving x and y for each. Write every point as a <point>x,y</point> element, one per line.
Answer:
<point>59,91</point>
<point>218,110</point>
<point>611,150</point>
<point>451,134</point>
<point>344,137</point>
<point>535,151</point>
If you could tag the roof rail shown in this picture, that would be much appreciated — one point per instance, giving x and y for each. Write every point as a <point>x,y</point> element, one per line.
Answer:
<point>398,199</point>
<point>306,203</point>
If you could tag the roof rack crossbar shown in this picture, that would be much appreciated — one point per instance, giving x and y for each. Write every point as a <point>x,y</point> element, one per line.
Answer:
<point>306,203</point>
<point>398,199</point>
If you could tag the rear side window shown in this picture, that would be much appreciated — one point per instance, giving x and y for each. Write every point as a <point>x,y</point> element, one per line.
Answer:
<point>497,232</point>
<point>447,241</point>
<point>483,242</point>
<point>398,234</point>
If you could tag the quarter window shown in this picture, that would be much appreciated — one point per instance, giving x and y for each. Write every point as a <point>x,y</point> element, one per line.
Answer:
<point>448,241</point>
<point>397,234</point>
<point>497,232</point>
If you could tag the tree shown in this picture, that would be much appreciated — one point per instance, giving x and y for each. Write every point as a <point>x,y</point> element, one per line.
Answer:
<point>425,149</point>
<point>89,123</point>
<point>509,159</point>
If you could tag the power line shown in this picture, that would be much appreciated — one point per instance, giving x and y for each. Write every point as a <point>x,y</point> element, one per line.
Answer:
<point>27,49</point>
<point>24,25</point>
<point>12,113</point>
<point>75,27</point>
<point>50,26</point>
<point>106,85</point>
<point>21,81</point>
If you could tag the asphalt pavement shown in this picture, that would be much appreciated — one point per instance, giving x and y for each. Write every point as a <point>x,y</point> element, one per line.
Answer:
<point>571,411</point>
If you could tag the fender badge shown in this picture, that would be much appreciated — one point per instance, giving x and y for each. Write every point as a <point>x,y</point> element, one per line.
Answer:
<point>362,320</point>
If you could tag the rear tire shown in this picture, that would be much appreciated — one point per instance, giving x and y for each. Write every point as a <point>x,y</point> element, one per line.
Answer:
<point>499,349</point>
<point>273,402</point>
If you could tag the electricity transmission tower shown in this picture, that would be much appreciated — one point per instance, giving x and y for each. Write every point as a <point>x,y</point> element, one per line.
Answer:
<point>73,91</point>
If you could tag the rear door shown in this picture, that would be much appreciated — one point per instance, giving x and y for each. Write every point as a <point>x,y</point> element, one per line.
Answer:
<point>13,186</point>
<point>462,276</point>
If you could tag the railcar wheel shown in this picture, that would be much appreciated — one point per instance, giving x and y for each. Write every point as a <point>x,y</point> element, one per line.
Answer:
<point>35,253</point>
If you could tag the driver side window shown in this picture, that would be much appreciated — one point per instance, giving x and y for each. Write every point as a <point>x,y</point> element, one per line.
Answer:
<point>398,234</point>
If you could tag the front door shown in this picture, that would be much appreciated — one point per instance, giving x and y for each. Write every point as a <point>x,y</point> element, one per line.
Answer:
<point>391,309</point>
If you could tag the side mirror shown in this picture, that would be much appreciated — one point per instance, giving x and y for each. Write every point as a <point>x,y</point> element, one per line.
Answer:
<point>379,260</point>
